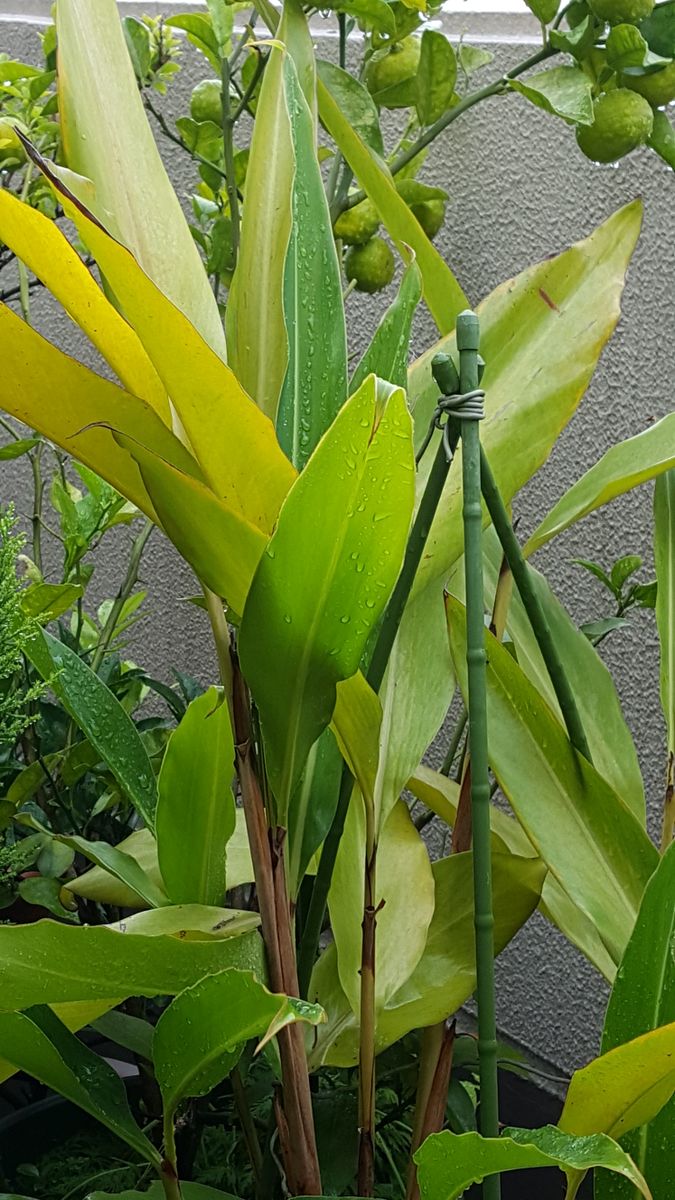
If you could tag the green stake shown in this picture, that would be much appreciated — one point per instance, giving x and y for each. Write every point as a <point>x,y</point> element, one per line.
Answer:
<point>467,344</point>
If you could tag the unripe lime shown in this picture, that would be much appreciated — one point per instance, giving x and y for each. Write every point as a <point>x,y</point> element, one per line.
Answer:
<point>430,214</point>
<point>357,225</point>
<point>658,89</point>
<point>371,267</point>
<point>206,102</point>
<point>623,120</point>
<point>399,64</point>
<point>620,12</point>
<point>11,148</point>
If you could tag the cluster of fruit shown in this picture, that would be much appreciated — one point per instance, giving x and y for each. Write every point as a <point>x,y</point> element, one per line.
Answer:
<point>623,109</point>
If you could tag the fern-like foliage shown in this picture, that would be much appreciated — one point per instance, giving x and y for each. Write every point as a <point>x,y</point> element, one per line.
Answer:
<point>16,631</point>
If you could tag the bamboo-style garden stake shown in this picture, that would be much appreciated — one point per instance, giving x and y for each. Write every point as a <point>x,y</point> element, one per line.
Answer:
<point>469,413</point>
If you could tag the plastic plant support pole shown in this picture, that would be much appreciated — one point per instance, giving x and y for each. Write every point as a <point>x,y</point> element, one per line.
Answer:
<point>375,674</point>
<point>467,344</point>
<point>521,573</point>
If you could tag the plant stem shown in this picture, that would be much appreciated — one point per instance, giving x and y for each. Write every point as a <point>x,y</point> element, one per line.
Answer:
<point>168,1171</point>
<point>467,344</point>
<point>247,1124</point>
<point>228,150</point>
<point>178,141</point>
<point>454,741</point>
<point>523,578</point>
<point>267,853</point>
<point>431,133</point>
<point>367,1017</point>
<point>375,674</point>
<point>668,826</point>
<point>38,493</point>
<point>126,587</point>
<point>438,1042</point>
<point>24,288</point>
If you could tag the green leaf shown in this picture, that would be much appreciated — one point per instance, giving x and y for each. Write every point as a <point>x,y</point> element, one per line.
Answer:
<point>662,138</point>
<point>562,91</point>
<point>152,954</point>
<point>541,334</point>
<point>199,1037</point>
<point>101,718</point>
<point>387,354</point>
<point>196,808</point>
<point>37,1042</point>
<point>313,604</point>
<point>442,293</point>
<point>200,32</point>
<point>45,893</point>
<point>609,738</point>
<point>664,557</point>
<point>445,975</point>
<point>435,78</point>
<point>624,466</point>
<point>139,45</point>
<point>589,839</point>
<point>355,103</point>
<point>659,29</point>
<point>17,448</point>
<point>370,14</point>
<point>120,865</point>
<point>312,807</point>
<point>473,58</point>
<point>188,1191</point>
<point>402,926</point>
<point>46,601</point>
<point>448,1163</point>
<point>577,41</point>
<point>626,47</point>
<point>103,122</point>
<point>133,1033</point>
<point>315,385</point>
<point>642,999</point>
<point>544,10</point>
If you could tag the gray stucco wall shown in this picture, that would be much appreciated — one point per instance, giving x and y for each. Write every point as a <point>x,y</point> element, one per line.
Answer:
<point>519,191</point>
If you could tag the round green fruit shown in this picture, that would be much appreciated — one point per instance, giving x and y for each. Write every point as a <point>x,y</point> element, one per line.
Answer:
<point>623,120</point>
<point>206,102</point>
<point>370,267</point>
<point>430,214</point>
<point>621,12</point>
<point>400,63</point>
<point>357,225</point>
<point>658,88</point>
<point>11,148</point>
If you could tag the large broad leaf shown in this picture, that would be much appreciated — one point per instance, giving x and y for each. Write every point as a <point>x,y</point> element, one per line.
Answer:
<point>101,718</point>
<point>226,431</point>
<point>125,869</point>
<point>87,407</point>
<point>387,354</point>
<point>99,884</point>
<point>326,575</point>
<point>41,245</point>
<point>188,1191</point>
<point>199,1037</point>
<point>196,809</point>
<point>402,923</point>
<point>312,807</point>
<point>587,836</point>
<point>222,546</point>
<point>354,101</point>
<point>541,337</point>
<point>642,999</point>
<point>448,1163</point>
<point>37,1042</point>
<point>156,953</point>
<point>664,558</point>
<point>285,317</point>
<point>442,292</point>
<point>445,975</point>
<point>623,467</point>
<point>106,137</point>
<point>625,1088</point>
<point>611,744</point>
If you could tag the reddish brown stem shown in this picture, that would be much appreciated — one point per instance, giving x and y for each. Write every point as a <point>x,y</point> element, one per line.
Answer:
<point>298,1138</point>
<point>366,1172</point>
<point>438,1043</point>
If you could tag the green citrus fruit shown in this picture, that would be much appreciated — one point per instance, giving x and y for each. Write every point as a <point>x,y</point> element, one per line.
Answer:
<point>430,214</point>
<point>658,89</point>
<point>357,225</point>
<point>371,267</point>
<point>623,120</point>
<point>620,12</point>
<point>399,64</point>
<point>206,103</point>
<point>11,149</point>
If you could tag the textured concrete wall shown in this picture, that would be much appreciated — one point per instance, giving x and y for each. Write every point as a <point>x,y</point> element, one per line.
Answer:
<point>520,191</point>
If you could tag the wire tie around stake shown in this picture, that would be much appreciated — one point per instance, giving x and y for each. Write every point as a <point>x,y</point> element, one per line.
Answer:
<point>466,406</point>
